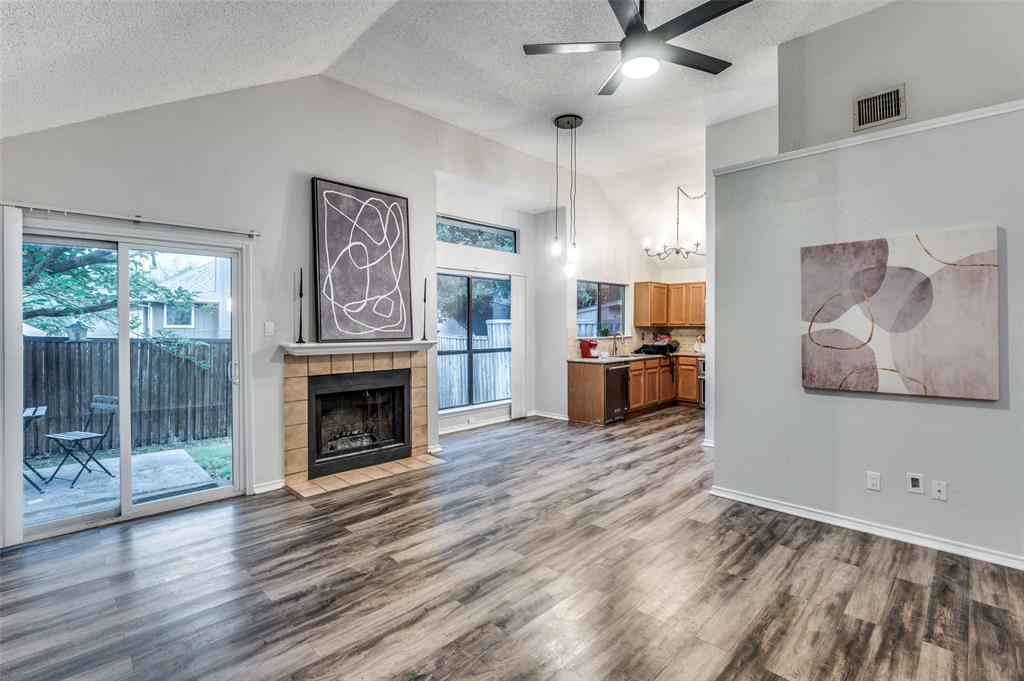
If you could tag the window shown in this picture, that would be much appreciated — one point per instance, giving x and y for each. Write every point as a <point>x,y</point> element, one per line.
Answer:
<point>178,316</point>
<point>474,340</point>
<point>463,233</point>
<point>600,309</point>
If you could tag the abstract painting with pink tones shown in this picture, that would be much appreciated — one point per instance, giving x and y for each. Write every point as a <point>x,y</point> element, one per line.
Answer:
<point>912,315</point>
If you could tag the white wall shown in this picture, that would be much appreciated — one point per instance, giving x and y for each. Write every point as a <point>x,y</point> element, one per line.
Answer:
<point>954,56</point>
<point>811,449</point>
<point>681,276</point>
<point>744,138</point>
<point>244,159</point>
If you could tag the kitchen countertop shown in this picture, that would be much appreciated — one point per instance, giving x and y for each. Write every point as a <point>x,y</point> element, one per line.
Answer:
<point>629,358</point>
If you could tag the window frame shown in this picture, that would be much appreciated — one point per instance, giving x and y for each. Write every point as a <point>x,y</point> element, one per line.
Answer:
<point>625,298</point>
<point>191,318</point>
<point>477,223</point>
<point>470,350</point>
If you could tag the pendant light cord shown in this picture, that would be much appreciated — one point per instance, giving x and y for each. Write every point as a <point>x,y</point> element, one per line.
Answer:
<point>572,186</point>
<point>557,131</point>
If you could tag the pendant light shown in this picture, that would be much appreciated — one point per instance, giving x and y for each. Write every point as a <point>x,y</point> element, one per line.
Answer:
<point>568,122</point>
<point>556,245</point>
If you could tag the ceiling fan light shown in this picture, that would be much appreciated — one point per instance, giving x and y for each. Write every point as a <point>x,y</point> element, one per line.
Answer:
<point>638,68</point>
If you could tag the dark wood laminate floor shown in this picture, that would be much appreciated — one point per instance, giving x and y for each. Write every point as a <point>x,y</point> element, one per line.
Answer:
<point>540,551</point>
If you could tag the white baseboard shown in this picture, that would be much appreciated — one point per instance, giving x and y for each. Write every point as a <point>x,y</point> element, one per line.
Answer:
<point>909,536</point>
<point>548,415</point>
<point>708,443</point>
<point>434,449</point>
<point>261,487</point>
<point>476,424</point>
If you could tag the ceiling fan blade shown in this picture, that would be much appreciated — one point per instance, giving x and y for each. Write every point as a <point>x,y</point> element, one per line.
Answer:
<point>697,16</point>
<point>627,13</point>
<point>570,48</point>
<point>611,84</point>
<point>694,60</point>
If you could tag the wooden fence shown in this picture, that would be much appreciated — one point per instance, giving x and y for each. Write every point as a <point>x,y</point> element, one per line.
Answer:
<point>173,399</point>
<point>492,375</point>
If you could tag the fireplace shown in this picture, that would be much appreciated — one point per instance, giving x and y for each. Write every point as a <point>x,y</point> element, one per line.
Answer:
<point>358,420</point>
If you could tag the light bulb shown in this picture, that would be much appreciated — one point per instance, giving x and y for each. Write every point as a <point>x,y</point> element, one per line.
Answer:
<point>570,269</point>
<point>572,254</point>
<point>647,243</point>
<point>638,68</point>
<point>556,247</point>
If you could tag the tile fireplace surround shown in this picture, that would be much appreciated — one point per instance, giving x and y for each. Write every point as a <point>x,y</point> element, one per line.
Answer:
<point>298,369</point>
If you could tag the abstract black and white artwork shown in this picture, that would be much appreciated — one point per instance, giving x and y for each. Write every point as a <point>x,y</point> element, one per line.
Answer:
<point>361,239</point>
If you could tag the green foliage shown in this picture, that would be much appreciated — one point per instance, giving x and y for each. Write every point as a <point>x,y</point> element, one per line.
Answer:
<point>480,236</point>
<point>490,296</point>
<point>66,284</point>
<point>586,294</point>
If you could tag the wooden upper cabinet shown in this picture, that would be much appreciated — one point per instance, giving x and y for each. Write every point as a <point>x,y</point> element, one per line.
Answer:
<point>656,304</point>
<point>659,304</point>
<point>695,294</point>
<point>677,306</point>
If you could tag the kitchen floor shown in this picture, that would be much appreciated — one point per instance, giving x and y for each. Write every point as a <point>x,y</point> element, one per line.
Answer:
<point>542,550</point>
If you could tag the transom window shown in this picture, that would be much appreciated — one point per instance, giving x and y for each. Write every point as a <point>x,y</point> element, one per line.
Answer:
<point>474,340</point>
<point>600,309</point>
<point>465,233</point>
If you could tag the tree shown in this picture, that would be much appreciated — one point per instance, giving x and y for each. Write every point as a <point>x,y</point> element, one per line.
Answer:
<point>66,284</point>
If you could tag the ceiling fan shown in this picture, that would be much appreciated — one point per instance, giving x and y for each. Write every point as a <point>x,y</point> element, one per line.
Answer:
<point>644,49</point>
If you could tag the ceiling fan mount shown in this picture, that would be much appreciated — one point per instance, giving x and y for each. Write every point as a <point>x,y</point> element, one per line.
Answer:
<point>643,50</point>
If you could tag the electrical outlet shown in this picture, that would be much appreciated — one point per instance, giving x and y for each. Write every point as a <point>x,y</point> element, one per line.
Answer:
<point>874,481</point>
<point>268,328</point>
<point>915,483</point>
<point>939,490</point>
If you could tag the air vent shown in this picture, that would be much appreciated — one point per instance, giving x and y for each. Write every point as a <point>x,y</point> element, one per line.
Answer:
<point>879,108</point>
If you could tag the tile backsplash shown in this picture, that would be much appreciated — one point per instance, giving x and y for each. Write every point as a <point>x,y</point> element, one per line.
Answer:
<point>686,338</point>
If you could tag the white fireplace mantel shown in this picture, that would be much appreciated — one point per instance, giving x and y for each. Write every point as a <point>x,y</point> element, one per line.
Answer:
<point>357,347</point>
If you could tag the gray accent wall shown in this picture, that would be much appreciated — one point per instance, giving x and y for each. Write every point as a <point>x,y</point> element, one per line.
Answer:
<point>953,55</point>
<point>811,449</point>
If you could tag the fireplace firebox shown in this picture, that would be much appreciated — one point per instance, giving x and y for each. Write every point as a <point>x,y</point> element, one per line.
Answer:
<point>358,420</point>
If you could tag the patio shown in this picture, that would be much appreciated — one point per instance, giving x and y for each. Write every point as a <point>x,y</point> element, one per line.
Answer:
<point>155,475</point>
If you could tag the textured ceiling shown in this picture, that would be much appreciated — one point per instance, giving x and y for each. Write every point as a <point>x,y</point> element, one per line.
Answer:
<point>463,62</point>
<point>68,61</point>
<point>459,61</point>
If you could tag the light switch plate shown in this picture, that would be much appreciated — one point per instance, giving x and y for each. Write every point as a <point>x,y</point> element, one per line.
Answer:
<point>939,490</point>
<point>268,328</point>
<point>874,481</point>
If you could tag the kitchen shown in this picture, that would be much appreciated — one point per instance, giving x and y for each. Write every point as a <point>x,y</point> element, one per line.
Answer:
<point>665,367</point>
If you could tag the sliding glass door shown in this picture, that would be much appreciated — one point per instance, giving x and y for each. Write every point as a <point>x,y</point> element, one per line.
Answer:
<point>130,379</point>
<point>474,340</point>
<point>70,456</point>
<point>182,386</point>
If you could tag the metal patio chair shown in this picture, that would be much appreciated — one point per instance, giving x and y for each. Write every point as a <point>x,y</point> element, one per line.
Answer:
<point>28,416</point>
<point>75,440</point>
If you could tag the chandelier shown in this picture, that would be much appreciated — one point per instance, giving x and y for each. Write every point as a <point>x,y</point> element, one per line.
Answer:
<point>664,249</point>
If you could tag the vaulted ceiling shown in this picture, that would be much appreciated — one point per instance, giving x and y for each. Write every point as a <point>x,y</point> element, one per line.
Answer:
<point>460,61</point>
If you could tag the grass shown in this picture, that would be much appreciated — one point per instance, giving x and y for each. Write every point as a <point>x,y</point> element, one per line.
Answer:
<point>213,455</point>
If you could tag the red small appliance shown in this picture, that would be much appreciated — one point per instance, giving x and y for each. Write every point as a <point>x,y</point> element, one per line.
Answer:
<point>588,349</point>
